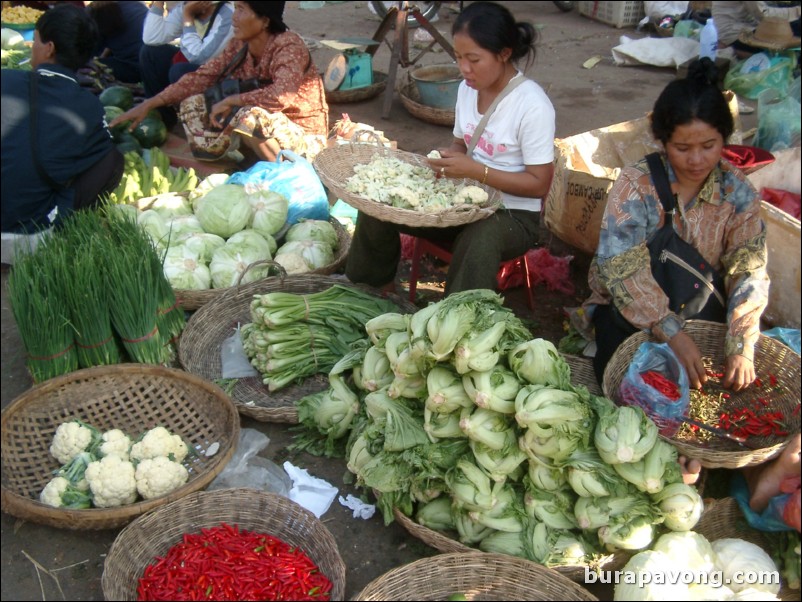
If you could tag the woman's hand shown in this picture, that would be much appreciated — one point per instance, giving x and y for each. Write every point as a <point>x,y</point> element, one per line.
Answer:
<point>690,357</point>
<point>195,9</point>
<point>136,114</point>
<point>220,111</point>
<point>739,372</point>
<point>456,165</point>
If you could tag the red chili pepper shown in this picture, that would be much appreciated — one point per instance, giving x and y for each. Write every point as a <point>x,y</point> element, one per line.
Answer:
<point>663,385</point>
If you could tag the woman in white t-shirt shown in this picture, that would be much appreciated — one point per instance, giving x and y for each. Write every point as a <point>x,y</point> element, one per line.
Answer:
<point>514,153</point>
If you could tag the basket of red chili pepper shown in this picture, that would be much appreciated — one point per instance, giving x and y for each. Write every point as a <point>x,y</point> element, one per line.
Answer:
<point>762,416</point>
<point>228,544</point>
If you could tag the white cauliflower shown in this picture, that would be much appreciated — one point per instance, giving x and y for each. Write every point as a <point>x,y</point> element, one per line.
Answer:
<point>60,493</point>
<point>159,441</point>
<point>112,481</point>
<point>115,443</point>
<point>159,476</point>
<point>434,154</point>
<point>71,439</point>
<point>470,195</point>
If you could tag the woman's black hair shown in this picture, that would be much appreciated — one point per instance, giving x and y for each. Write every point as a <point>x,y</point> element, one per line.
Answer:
<point>273,11</point>
<point>108,17</point>
<point>695,97</point>
<point>493,27</point>
<point>73,33</point>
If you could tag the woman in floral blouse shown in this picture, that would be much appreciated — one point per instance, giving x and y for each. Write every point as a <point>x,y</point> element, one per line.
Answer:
<point>718,214</point>
<point>288,111</point>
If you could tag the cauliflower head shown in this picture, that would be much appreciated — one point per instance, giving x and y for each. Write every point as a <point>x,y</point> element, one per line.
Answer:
<point>112,481</point>
<point>115,443</point>
<point>71,439</point>
<point>157,442</point>
<point>159,476</point>
<point>471,195</point>
<point>60,493</point>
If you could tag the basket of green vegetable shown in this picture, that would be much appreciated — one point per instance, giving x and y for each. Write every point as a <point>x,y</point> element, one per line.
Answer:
<point>277,550</point>
<point>169,423</point>
<point>314,321</point>
<point>472,576</point>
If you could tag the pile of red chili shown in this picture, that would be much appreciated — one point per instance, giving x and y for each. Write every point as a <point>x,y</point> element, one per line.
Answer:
<point>666,387</point>
<point>226,563</point>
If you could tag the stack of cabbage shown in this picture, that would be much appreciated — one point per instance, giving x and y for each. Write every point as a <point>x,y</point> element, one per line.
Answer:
<point>456,417</point>
<point>211,237</point>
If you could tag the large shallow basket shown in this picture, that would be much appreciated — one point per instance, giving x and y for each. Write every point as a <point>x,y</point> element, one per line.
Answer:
<point>477,576</point>
<point>444,543</point>
<point>771,357</point>
<point>582,372</point>
<point>359,94</point>
<point>336,164</point>
<point>191,300</point>
<point>410,98</point>
<point>131,397</point>
<point>201,341</point>
<point>155,533</point>
<point>722,519</point>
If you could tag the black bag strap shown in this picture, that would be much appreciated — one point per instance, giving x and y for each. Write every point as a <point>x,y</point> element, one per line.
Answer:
<point>34,100</point>
<point>236,61</point>
<point>661,183</point>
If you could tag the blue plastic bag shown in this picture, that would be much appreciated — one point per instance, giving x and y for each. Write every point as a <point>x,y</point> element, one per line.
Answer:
<point>666,413</point>
<point>787,336</point>
<point>771,519</point>
<point>293,177</point>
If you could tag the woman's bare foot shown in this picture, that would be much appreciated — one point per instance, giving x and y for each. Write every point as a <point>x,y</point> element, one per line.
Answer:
<point>764,481</point>
<point>691,469</point>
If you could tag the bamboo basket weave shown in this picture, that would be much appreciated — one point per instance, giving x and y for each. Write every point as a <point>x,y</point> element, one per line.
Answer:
<point>582,372</point>
<point>155,533</point>
<point>336,164</point>
<point>477,576</point>
<point>771,357</point>
<point>723,519</point>
<point>359,94</point>
<point>444,543</point>
<point>130,397</point>
<point>190,300</point>
<point>201,341</point>
<point>410,98</point>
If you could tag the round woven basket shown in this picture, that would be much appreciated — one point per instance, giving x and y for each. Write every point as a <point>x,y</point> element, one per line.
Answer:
<point>155,533</point>
<point>201,341</point>
<point>722,519</point>
<point>336,164</point>
<point>130,397</point>
<point>442,542</point>
<point>477,576</point>
<point>771,357</point>
<point>359,94</point>
<point>191,300</point>
<point>410,98</point>
<point>582,372</point>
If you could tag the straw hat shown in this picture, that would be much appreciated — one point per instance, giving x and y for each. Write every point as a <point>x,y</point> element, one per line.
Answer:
<point>773,33</point>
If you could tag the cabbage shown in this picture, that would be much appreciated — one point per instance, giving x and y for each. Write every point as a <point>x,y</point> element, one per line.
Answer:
<point>313,229</point>
<point>203,245</point>
<point>211,181</point>
<point>11,38</point>
<point>229,263</point>
<point>155,226</point>
<point>538,362</point>
<point>292,263</point>
<point>736,557</point>
<point>688,550</point>
<point>185,270</point>
<point>168,204</point>
<point>182,227</point>
<point>224,210</point>
<point>270,211</point>
<point>647,579</point>
<point>250,241</point>
<point>316,254</point>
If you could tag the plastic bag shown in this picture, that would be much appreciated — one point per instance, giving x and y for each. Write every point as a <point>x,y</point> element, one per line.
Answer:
<point>771,519</point>
<point>788,336</point>
<point>778,120</point>
<point>634,391</point>
<point>789,202</point>
<point>233,360</point>
<point>293,177</point>
<point>759,73</point>
<point>544,268</point>
<point>246,469</point>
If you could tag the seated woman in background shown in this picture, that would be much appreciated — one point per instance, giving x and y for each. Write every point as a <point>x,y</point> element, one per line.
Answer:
<point>287,111</point>
<point>717,212</point>
<point>120,27</point>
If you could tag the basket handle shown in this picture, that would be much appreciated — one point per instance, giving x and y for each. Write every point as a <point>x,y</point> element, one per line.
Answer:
<point>373,138</point>
<point>281,271</point>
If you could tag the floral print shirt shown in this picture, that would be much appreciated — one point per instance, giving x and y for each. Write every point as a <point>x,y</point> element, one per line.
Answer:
<point>297,88</point>
<point>723,223</point>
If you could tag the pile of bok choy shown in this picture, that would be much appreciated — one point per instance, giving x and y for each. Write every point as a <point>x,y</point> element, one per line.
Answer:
<point>456,417</point>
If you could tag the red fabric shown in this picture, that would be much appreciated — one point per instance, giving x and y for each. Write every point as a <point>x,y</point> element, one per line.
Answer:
<point>744,157</point>
<point>179,57</point>
<point>782,199</point>
<point>554,272</point>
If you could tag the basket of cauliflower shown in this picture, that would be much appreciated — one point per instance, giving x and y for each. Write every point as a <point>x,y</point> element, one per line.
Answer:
<point>96,448</point>
<point>400,187</point>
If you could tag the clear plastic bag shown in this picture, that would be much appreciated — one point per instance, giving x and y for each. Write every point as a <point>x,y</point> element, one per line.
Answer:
<point>778,120</point>
<point>234,362</point>
<point>247,469</point>
<point>759,73</point>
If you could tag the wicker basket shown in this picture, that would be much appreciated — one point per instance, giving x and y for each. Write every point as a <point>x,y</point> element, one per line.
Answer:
<point>359,94</point>
<point>723,519</point>
<point>445,544</point>
<point>477,576</point>
<point>155,533</point>
<point>582,372</point>
<point>191,300</point>
<point>131,397</point>
<point>410,98</point>
<point>199,347</point>
<point>336,164</point>
<point>771,357</point>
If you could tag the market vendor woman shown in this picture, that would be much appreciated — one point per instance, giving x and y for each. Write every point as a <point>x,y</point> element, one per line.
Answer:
<point>717,213</point>
<point>57,153</point>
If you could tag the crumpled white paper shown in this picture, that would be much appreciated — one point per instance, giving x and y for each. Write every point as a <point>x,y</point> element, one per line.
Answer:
<point>314,494</point>
<point>660,52</point>
<point>360,508</point>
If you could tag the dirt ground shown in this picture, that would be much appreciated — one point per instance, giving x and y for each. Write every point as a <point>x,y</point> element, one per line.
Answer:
<point>584,99</point>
